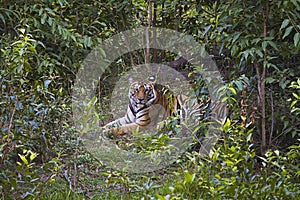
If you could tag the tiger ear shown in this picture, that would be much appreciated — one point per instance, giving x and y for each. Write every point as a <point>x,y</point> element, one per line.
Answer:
<point>130,80</point>
<point>152,79</point>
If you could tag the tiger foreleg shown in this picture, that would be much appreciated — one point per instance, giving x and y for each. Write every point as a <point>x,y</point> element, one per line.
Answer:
<point>124,129</point>
<point>115,131</point>
<point>114,127</point>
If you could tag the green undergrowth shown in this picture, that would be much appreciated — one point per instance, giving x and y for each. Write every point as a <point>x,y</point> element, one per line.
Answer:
<point>232,170</point>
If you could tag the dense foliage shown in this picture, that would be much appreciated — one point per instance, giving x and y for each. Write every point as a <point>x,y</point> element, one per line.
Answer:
<point>255,45</point>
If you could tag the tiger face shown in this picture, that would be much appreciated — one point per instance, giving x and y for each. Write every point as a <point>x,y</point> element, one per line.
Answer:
<point>142,93</point>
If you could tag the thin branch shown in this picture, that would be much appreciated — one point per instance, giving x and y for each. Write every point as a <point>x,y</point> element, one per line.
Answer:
<point>273,118</point>
<point>281,134</point>
<point>68,179</point>
<point>258,82</point>
<point>293,23</point>
<point>12,116</point>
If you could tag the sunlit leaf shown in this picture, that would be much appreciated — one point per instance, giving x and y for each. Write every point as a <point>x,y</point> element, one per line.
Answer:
<point>43,18</point>
<point>23,158</point>
<point>232,90</point>
<point>32,156</point>
<point>226,126</point>
<point>296,39</point>
<point>284,23</point>
<point>46,83</point>
<point>287,31</point>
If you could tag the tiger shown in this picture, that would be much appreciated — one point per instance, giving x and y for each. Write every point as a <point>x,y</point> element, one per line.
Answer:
<point>142,96</point>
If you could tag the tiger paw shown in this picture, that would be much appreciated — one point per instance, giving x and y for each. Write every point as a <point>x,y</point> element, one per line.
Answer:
<point>114,131</point>
<point>117,131</point>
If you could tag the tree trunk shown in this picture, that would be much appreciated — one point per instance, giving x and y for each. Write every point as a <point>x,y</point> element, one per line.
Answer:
<point>154,32</point>
<point>147,54</point>
<point>261,86</point>
<point>162,55</point>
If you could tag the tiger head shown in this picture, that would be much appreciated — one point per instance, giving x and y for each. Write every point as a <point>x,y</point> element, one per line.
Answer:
<point>142,92</point>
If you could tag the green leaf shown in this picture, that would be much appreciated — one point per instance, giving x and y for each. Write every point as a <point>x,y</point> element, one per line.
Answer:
<point>293,103</point>
<point>50,11</point>
<point>43,19</point>
<point>232,90</point>
<point>249,137</point>
<point>287,31</point>
<point>41,11</point>
<point>226,126</point>
<point>256,40</point>
<point>297,110</point>
<point>239,85</point>
<point>188,177</point>
<point>229,162</point>
<point>206,30</point>
<point>218,176</point>
<point>22,30</point>
<point>2,18</point>
<point>295,2</point>
<point>32,156</point>
<point>270,80</point>
<point>272,44</point>
<point>23,158</point>
<point>46,83</point>
<point>259,53</point>
<point>284,23</point>
<point>32,49</point>
<point>264,45</point>
<point>296,39</point>
<point>62,2</point>
<point>296,96</point>
<point>73,38</point>
<point>59,28</point>
<point>160,197</point>
<point>50,21</point>
<point>87,41</point>
<point>236,37</point>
